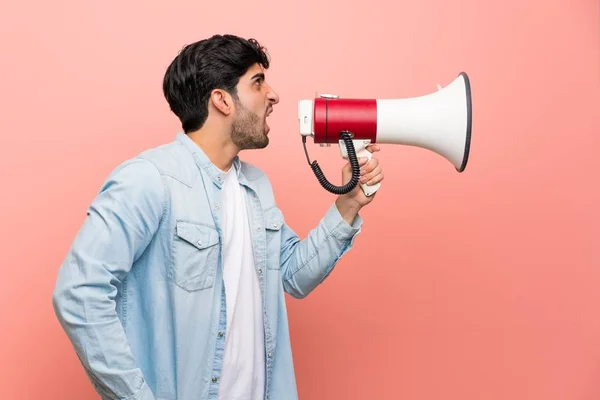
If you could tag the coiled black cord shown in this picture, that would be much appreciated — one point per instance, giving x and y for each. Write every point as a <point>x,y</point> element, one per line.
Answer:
<point>348,187</point>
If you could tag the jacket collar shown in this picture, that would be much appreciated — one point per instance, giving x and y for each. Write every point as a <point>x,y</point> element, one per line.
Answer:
<point>204,163</point>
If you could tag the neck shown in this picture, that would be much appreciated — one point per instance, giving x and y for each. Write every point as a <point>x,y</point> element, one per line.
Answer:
<point>217,146</point>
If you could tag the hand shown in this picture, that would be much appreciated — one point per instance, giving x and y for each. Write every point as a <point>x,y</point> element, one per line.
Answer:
<point>350,204</point>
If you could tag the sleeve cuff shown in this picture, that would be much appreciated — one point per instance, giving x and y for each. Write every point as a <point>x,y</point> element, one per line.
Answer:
<point>338,225</point>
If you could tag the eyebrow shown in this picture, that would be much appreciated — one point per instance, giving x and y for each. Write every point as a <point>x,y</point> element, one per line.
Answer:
<point>260,76</point>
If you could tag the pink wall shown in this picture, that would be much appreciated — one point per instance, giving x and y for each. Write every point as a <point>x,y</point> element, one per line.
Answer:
<point>482,285</point>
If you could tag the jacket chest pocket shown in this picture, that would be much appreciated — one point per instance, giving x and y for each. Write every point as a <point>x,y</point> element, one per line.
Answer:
<point>273,223</point>
<point>196,251</point>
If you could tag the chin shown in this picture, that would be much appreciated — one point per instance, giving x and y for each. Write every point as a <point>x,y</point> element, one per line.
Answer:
<point>257,144</point>
<point>263,144</point>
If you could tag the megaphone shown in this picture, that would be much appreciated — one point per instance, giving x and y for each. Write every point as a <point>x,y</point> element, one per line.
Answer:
<point>439,121</point>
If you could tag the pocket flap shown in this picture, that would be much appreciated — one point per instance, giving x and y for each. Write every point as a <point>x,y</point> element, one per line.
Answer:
<point>198,235</point>
<point>273,219</point>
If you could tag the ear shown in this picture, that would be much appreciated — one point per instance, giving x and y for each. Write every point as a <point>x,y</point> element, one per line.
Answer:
<point>222,101</point>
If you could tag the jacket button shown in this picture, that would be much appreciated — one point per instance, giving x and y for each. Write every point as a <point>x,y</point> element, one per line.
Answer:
<point>214,379</point>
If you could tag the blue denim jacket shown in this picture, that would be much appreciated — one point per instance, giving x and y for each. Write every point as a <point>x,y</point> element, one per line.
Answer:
<point>140,293</point>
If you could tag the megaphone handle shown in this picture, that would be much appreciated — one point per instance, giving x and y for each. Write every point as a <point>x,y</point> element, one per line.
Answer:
<point>369,190</point>
<point>360,146</point>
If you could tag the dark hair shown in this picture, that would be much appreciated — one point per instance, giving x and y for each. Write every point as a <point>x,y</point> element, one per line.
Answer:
<point>216,62</point>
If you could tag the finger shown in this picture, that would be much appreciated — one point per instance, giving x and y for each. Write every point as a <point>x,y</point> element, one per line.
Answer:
<point>370,175</point>
<point>370,166</point>
<point>373,148</point>
<point>376,179</point>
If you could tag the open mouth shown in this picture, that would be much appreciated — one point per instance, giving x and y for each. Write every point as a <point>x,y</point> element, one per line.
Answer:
<point>267,128</point>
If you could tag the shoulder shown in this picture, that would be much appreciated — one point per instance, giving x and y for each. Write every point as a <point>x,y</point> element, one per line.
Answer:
<point>135,178</point>
<point>142,177</point>
<point>171,160</point>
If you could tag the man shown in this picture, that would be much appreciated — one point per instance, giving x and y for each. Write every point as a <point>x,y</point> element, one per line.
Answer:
<point>174,286</point>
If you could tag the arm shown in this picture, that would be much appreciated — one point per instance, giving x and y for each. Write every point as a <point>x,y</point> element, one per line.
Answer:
<point>305,264</point>
<point>120,223</point>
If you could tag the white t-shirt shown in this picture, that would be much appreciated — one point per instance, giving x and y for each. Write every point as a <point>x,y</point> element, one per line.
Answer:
<point>244,361</point>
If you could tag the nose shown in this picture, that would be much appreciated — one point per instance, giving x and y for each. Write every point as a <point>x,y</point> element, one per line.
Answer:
<point>273,96</point>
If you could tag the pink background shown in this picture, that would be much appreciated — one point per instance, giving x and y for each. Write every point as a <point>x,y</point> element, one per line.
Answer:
<point>481,285</point>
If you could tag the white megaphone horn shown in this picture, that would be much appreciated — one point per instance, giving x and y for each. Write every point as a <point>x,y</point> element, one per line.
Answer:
<point>440,122</point>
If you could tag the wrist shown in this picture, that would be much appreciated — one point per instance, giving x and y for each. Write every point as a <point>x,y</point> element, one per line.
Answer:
<point>347,208</point>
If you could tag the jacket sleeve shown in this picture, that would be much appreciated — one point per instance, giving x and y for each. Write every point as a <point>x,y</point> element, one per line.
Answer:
<point>306,263</point>
<point>120,223</point>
